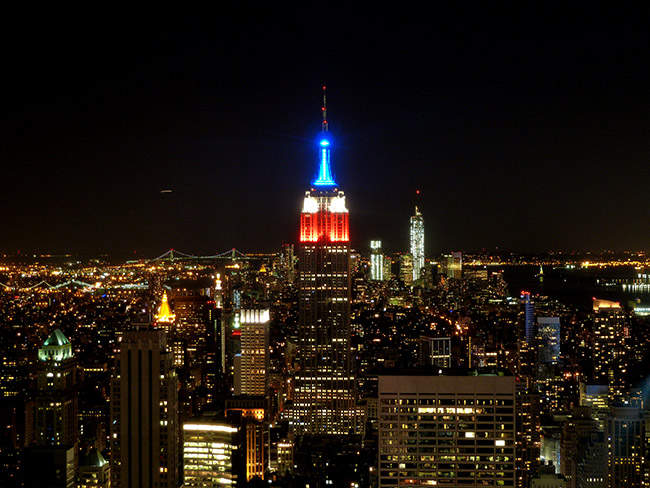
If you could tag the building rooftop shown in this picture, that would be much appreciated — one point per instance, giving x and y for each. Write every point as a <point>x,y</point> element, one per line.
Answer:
<point>57,338</point>
<point>437,371</point>
<point>95,459</point>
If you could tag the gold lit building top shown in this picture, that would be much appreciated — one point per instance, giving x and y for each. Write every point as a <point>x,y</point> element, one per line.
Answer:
<point>165,312</point>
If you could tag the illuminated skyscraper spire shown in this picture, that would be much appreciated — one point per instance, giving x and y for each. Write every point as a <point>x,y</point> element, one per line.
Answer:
<point>324,177</point>
<point>324,128</point>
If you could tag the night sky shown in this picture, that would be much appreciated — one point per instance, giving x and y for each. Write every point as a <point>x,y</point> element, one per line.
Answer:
<point>525,130</point>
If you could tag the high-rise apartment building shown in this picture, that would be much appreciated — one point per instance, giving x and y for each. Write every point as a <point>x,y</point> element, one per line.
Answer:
<point>610,333</point>
<point>376,261</point>
<point>417,243</point>
<point>452,428</point>
<point>324,401</point>
<point>252,365</point>
<point>144,413</point>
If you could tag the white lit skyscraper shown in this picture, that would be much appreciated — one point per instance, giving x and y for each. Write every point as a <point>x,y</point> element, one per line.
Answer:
<point>417,243</point>
<point>251,368</point>
<point>324,400</point>
<point>376,261</point>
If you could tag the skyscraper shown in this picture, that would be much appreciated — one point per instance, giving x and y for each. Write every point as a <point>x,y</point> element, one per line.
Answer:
<point>56,395</point>
<point>376,261</point>
<point>548,341</point>
<point>406,268</point>
<point>452,265</point>
<point>610,332</point>
<point>417,243</point>
<point>529,316</point>
<point>324,401</point>
<point>52,461</point>
<point>625,436</point>
<point>144,413</point>
<point>549,378</point>
<point>252,365</point>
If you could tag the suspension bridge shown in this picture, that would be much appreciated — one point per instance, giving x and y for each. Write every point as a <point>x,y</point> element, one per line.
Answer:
<point>174,254</point>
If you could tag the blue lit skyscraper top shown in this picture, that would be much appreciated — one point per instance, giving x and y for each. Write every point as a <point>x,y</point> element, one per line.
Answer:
<point>324,177</point>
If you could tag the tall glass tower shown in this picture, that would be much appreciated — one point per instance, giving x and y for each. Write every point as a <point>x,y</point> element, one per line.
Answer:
<point>376,261</point>
<point>324,392</point>
<point>417,243</point>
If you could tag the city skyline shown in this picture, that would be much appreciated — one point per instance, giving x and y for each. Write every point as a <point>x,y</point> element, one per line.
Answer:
<point>196,136</point>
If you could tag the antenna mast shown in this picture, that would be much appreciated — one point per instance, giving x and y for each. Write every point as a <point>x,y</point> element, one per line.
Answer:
<point>324,110</point>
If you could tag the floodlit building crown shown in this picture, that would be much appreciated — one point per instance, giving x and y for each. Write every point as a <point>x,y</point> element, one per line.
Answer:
<point>56,347</point>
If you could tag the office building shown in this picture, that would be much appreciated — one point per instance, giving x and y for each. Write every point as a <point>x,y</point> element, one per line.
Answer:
<point>56,406</point>
<point>376,261</point>
<point>388,268</point>
<point>528,308</point>
<point>144,413</point>
<point>453,428</point>
<point>434,351</point>
<point>324,394</point>
<point>49,467</point>
<point>625,436</point>
<point>528,428</point>
<point>549,378</point>
<point>288,263</point>
<point>209,453</point>
<point>285,457</point>
<point>248,414</point>
<point>406,269</point>
<point>597,398</point>
<point>547,478</point>
<point>548,342</point>
<point>583,451</point>
<point>252,364</point>
<point>197,323</point>
<point>610,334</point>
<point>452,265</point>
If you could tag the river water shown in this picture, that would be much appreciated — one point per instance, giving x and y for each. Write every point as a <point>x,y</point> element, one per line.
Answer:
<point>576,287</point>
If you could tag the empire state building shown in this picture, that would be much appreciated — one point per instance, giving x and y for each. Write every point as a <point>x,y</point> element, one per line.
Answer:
<point>324,394</point>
